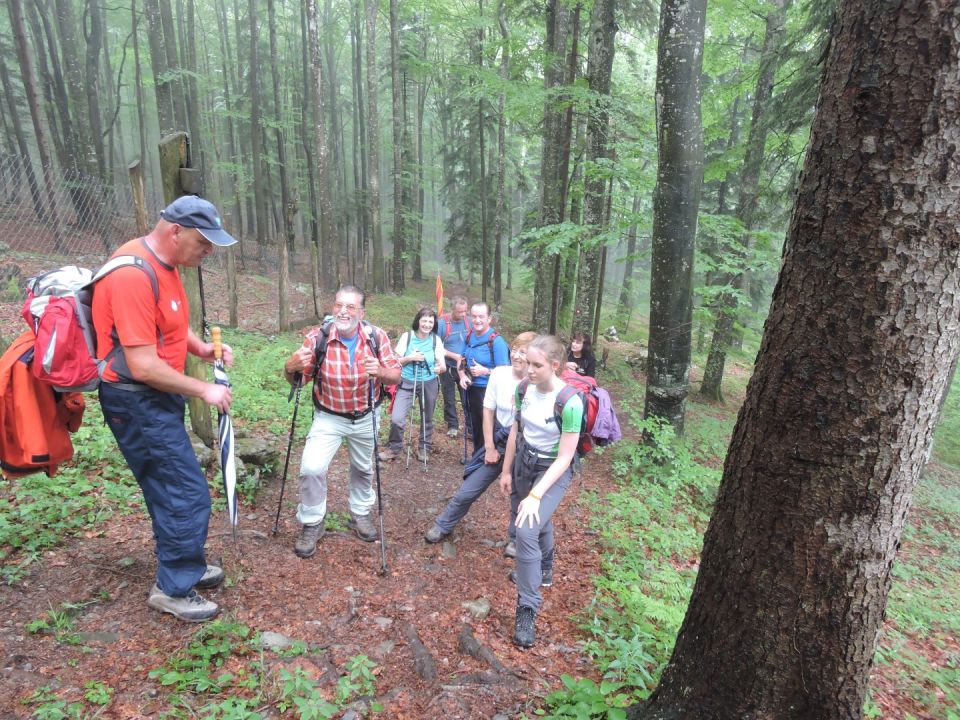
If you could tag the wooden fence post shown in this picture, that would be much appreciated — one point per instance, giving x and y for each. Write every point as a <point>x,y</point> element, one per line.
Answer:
<point>135,170</point>
<point>174,160</point>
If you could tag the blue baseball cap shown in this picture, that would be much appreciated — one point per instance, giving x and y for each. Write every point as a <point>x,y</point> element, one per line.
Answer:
<point>191,211</point>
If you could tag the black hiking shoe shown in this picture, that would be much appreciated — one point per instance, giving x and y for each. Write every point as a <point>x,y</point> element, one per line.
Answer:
<point>524,630</point>
<point>546,577</point>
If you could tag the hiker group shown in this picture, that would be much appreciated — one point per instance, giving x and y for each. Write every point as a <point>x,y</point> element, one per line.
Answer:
<point>530,409</point>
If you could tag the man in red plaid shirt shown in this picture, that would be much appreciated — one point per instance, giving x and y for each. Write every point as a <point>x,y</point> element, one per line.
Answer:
<point>341,412</point>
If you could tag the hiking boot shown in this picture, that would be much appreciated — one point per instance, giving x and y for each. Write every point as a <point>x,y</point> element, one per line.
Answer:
<point>510,549</point>
<point>212,577</point>
<point>388,455</point>
<point>192,608</point>
<point>308,538</point>
<point>524,630</point>
<point>422,454</point>
<point>452,432</point>
<point>435,534</point>
<point>362,525</point>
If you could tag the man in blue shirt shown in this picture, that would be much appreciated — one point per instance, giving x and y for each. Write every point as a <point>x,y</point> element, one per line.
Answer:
<point>484,350</point>
<point>453,330</point>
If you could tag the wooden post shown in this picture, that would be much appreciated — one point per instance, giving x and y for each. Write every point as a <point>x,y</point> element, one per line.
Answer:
<point>135,169</point>
<point>174,156</point>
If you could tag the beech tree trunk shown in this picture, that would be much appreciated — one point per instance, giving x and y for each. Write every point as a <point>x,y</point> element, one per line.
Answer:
<point>839,415</point>
<point>603,31</point>
<point>399,131</point>
<point>501,221</point>
<point>676,200</point>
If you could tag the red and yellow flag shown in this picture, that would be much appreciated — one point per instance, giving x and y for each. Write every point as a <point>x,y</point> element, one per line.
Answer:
<point>439,295</point>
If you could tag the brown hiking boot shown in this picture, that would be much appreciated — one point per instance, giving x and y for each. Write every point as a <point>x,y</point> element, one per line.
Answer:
<point>362,525</point>
<point>307,539</point>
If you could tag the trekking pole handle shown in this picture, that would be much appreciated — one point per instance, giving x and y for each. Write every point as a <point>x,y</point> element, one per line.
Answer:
<point>217,338</point>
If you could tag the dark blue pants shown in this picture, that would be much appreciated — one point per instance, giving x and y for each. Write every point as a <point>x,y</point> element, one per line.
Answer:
<point>149,429</point>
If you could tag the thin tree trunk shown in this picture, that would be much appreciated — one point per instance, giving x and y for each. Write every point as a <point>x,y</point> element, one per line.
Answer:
<point>675,205</point>
<point>287,201</point>
<point>398,132</point>
<point>307,122</point>
<point>328,233</point>
<point>373,146</point>
<point>25,160</point>
<point>748,197</point>
<point>15,8</point>
<point>501,218</point>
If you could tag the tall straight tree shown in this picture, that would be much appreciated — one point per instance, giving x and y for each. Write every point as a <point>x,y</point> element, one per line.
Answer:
<point>373,146</point>
<point>552,177</point>
<point>500,219</point>
<point>676,200</point>
<point>603,32</point>
<point>862,333</point>
<point>162,80</point>
<point>286,244</point>
<point>22,146</point>
<point>328,229</point>
<point>749,194</point>
<point>399,122</point>
<point>260,224</point>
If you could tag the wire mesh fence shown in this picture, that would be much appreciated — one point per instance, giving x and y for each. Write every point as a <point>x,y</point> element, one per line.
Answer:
<point>87,220</point>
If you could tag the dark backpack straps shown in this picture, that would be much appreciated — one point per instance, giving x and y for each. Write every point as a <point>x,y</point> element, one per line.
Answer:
<point>563,397</point>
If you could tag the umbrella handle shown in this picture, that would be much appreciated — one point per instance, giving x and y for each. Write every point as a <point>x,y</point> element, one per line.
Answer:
<point>217,338</point>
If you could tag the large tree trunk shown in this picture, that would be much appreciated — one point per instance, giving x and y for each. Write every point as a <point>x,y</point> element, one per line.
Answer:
<point>603,31</point>
<point>840,412</point>
<point>748,197</point>
<point>373,146</point>
<point>676,200</point>
<point>627,295</point>
<point>261,223</point>
<point>360,147</point>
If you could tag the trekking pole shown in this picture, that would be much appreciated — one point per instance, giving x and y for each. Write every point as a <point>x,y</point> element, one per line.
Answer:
<point>294,391</point>
<point>408,440</point>
<point>376,465</point>
<point>466,414</point>
<point>423,427</point>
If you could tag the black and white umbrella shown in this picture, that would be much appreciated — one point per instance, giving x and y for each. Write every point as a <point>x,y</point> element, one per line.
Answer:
<point>227,462</point>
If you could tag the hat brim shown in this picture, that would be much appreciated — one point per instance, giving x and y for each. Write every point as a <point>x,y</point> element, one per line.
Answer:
<point>221,238</point>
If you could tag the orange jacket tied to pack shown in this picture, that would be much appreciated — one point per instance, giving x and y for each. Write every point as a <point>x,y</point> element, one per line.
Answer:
<point>35,420</point>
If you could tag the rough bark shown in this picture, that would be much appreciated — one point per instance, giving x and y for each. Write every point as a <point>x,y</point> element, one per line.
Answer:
<point>603,31</point>
<point>676,200</point>
<point>839,415</point>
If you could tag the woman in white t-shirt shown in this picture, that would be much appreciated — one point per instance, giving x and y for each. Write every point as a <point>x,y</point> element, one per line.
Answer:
<point>537,471</point>
<point>420,352</point>
<point>485,466</point>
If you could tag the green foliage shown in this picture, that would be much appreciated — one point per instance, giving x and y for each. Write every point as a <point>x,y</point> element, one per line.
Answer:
<point>97,692</point>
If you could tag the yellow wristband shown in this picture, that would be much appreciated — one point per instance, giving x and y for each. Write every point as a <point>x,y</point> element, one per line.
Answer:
<point>535,496</point>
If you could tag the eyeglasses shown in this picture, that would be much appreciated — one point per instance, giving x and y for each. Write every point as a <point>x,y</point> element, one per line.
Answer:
<point>337,307</point>
<point>518,353</point>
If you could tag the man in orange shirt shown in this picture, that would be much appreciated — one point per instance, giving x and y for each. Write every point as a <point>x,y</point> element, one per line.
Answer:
<point>144,335</point>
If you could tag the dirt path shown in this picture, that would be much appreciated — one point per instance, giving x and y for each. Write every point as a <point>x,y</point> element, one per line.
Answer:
<point>336,602</point>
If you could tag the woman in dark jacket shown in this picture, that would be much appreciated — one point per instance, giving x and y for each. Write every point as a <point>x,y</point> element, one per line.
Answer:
<point>580,357</point>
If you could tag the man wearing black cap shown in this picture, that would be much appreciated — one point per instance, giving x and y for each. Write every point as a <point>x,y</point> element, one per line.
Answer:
<point>143,332</point>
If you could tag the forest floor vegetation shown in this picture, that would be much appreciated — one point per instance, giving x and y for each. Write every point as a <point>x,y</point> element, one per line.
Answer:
<point>330,637</point>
